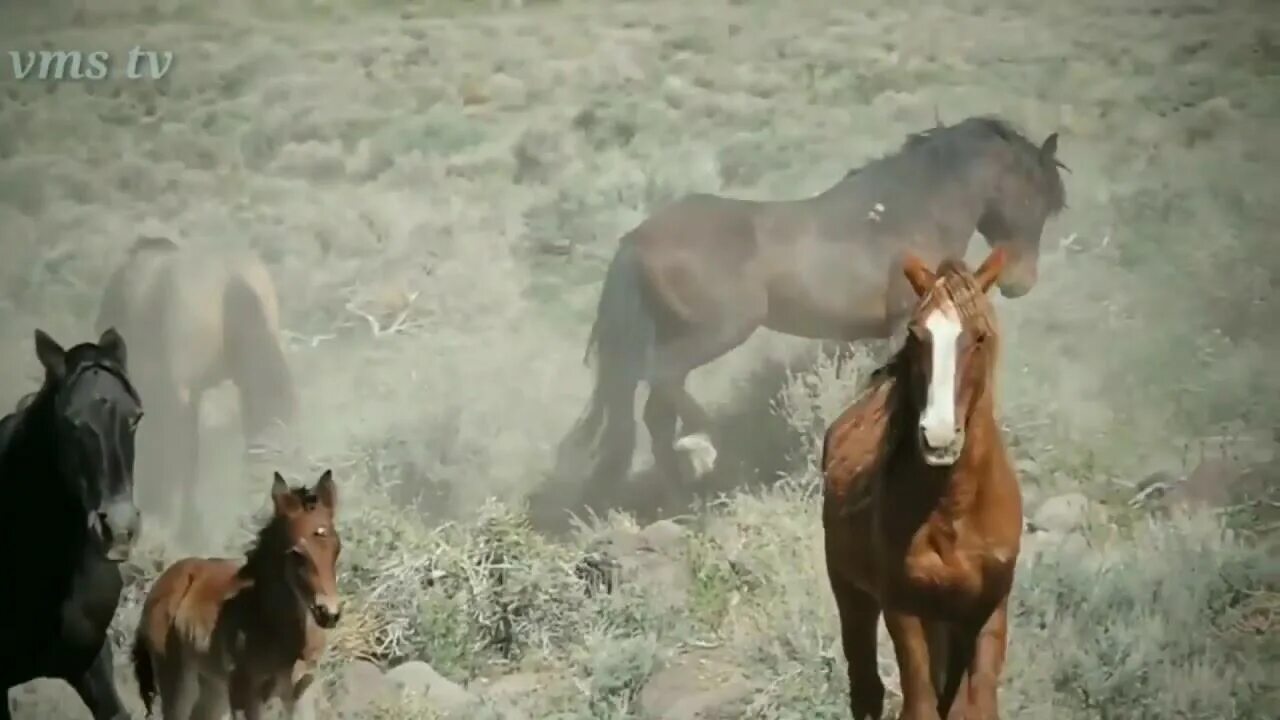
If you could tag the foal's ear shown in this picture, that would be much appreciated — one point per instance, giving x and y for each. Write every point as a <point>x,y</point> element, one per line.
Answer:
<point>918,274</point>
<point>51,355</point>
<point>989,271</point>
<point>1049,150</point>
<point>327,490</point>
<point>112,344</point>
<point>281,497</point>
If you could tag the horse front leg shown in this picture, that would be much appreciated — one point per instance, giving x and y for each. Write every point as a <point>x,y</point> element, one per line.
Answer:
<point>987,665</point>
<point>97,688</point>
<point>911,646</point>
<point>188,427</point>
<point>299,697</point>
<point>859,616</point>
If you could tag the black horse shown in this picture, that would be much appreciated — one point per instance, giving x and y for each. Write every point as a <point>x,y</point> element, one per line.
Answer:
<point>67,519</point>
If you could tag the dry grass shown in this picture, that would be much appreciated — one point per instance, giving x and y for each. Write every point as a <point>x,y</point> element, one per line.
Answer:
<point>459,171</point>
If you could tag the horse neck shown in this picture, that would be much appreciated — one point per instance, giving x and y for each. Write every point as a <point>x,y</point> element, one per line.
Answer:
<point>951,489</point>
<point>37,508</point>
<point>967,189</point>
<point>274,612</point>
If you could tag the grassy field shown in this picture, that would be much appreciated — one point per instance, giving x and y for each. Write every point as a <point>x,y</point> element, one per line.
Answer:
<point>470,165</point>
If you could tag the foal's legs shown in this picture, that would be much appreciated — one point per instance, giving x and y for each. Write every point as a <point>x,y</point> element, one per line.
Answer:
<point>97,688</point>
<point>179,688</point>
<point>859,614</point>
<point>675,356</point>
<point>213,703</point>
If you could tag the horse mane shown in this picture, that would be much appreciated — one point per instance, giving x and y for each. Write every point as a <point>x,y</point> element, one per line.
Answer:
<point>941,151</point>
<point>272,539</point>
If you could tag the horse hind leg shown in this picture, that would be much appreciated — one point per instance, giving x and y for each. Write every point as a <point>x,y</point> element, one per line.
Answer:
<point>213,702</point>
<point>179,689</point>
<point>660,418</point>
<point>673,360</point>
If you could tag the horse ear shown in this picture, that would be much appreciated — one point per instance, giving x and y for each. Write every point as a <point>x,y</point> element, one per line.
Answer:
<point>112,343</point>
<point>51,355</point>
<point>918,274</point>
<point>1049,150</point>
<point>280,495</point>
<point>989,271</point>
<point>327,490</point>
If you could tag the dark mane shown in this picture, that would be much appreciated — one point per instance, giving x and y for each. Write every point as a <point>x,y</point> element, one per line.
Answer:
<point>943,151</point>
<point>272,540</point>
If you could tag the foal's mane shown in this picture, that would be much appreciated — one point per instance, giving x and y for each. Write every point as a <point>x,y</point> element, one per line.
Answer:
<point>272,540</point>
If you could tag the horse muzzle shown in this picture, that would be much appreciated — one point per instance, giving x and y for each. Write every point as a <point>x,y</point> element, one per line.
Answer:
<point>1017,281</point>
<point>116,529</point>
<point>943,456</point>
<point>326,612</point>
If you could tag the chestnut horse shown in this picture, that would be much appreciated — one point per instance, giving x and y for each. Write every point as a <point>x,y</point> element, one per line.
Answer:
<point>194,320</point>
<point>922,513</point>
<point>699,277</point>
<point>218,635</point>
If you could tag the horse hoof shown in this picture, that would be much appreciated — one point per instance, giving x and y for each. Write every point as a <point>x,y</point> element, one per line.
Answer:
<point>700,451</point>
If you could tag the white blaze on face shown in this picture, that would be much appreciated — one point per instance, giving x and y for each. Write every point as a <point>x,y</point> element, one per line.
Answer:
<point>938,421</point>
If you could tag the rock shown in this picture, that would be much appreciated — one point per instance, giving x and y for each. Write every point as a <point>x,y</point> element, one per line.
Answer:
<point>1212,483</point>
<point>1054,544</point>
<point>1062,513</point>
<point>438,692</point>
<point>506,90</point>
<point>507,693</point>
<point>638,559</point>
<point>361,686</point>
<point>46,699</point>
<point>695,686</point>
<point>664,536</point>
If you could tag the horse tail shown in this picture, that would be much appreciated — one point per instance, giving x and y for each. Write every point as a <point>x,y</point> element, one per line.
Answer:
<point>256,359</point>
<point>144,672</point>
<point>621,341</point>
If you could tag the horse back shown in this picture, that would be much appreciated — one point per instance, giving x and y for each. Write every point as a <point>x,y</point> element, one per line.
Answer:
<point>183,606</point>
<point>169,303</point>
<point>132,287</point>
